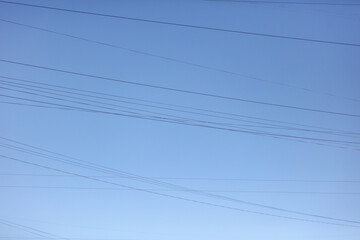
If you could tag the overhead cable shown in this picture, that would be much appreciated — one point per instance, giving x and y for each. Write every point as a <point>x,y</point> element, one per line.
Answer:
<point>172,196</point>
<point>181,90</point>
<point>199,111</point>
<point>308,90</point>
<point>98,167</point>
<point>184,25</point>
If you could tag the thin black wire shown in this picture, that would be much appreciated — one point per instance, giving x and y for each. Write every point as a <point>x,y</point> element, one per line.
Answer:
<point>136,109</point>
<point>162,119</point>
<point>66,107</point>
<point>63,107</point>
<point>330,130</point>
<point>181,90</point>
<point>288,3</point>
<point>190,122</point>
<point>181,61</point>
<point>263,125</point>
<point>172,190</point>
<point>172,186</point>
<point>268,125</point>
<point>187,119</point>
<point>186,25</point>
<point>198,178</point>
<point>174,197</point>
<point>31,230</point>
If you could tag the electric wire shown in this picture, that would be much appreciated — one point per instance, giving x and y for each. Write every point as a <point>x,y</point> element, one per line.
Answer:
<point>211,113</point>
<point>171,196</point>
<point>182,90</point>
<point>31,230</point>
<point>262,124</point>
<point>193,123</point>
<point>172,190</point>
<point>173,186</point>
<point>258,34</point>
<point>198,178</point>
<point>182,62</point>
<point>187,119</point>
<point>160,119</point>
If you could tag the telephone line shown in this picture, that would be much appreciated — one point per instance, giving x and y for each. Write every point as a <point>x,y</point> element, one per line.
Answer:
<point>171,190</point>
<point>181,90</point>
<point>328,130</point>
<point>84,164</point>
<point>204,124</point>
<point>174,197</point>
<point>185,25</point>
<point>196,178</point>
<point>182,62</point>
<point>263,125</point>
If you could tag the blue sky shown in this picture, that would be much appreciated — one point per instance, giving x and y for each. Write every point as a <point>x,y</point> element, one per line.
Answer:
<point>158,149</point>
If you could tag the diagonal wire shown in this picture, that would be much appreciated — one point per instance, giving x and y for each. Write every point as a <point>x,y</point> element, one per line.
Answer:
<point>185,25</point>
<point>181,61</point>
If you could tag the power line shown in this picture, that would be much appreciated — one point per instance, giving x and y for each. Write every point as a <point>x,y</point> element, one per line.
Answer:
<point>84,164</point>
<point>186,189</point>
<point>181,90</point>
<point>187,121</point>
<point>160,119</point>
<point>50,105</point>
<point>199,111</point>
<point>31,230</point>
<point>136,109</point>
<point>198,178</point>
<point>182,62</point>
<point>288,3</point>
<point>172,190</point>
<point>171,196</point>
<point>317,141</point>
<point>184,25</point>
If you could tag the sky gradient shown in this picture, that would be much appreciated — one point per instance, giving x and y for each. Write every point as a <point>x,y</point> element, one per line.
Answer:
<point>166,150</point>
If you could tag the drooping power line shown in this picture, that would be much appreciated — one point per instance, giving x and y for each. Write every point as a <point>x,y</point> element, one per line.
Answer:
<point>50,91</point>
<point>185,25</point>
<point>171,196</point>
<point>171,190</point>
<point>181,90</point>
<point>198,178</point>
<point>318,141</point>
<point>97,167</point>
<point>308,90</point>
<point>179,108</point>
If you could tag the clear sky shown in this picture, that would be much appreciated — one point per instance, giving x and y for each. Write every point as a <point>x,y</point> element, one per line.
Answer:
<point>167,150</point>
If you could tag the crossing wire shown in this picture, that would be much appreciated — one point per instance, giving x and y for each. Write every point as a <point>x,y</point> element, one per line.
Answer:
<point>197,178</point>
<point>321,142</point>
<point>192,122</point>
<point>171,190</point>
<point>181,90</point>
<point>184,25</point>
<point>308,90</point>
<point>328,130</point>
<point>26,86</point>
<point>97,167</point>
<point>31,230</point>
<point>172,196</point>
